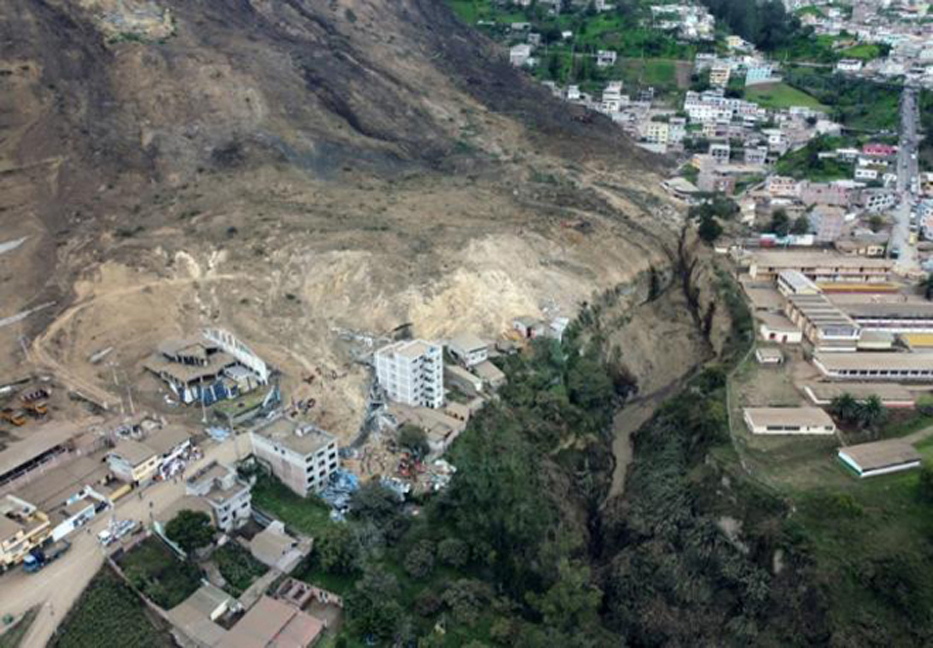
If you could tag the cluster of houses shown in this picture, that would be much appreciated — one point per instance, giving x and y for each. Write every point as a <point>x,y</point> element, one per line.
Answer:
<point>858,327</point>
<point>689,22</point>
<point>902,26</point>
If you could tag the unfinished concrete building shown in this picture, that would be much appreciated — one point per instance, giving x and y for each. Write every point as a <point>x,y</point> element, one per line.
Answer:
<point>412,373</point>
<point>302,456</point>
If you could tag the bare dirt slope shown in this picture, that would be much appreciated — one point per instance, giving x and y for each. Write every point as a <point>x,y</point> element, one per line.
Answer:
<point>288,168</point>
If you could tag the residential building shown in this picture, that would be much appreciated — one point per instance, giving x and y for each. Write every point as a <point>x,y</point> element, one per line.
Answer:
<point>302,456</point>
<point>769,356</point>
<point>826,222</point>
<point>23,527</point>
<point>712,182</point>
<point>412,373</point>
<point>758,74</point>
<point>756,155</point>
<point>605,58</point>
<point>468,349</point>
<point>897,367</point>
<point>849,65</point>
<point>782,186</point>
<point>876,150</point>
<point>836,194</point>
<point>520,54</point>
<point>719,75</point>
<point>228,496</point>
<point>271,623</point>
<point>878,200</point>
<point>720,153</point>
<point>656,132</point>
<point>788,420</point>
<point>880,457</point>
<point>134,462</point>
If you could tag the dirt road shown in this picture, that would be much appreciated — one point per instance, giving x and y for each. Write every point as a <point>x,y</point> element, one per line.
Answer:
<point>59,585</point>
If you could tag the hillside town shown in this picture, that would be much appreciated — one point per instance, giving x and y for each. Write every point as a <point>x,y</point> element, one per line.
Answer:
<point>205,494</point>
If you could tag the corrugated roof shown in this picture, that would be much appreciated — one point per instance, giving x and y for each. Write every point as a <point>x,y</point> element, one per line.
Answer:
<point>881,454</point>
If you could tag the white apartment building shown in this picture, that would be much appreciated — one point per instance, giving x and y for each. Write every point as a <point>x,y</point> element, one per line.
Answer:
<point>412,373</point>
<point>302,456</point>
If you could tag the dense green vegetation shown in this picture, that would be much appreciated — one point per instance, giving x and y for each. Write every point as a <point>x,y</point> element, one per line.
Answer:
<point>158,574</point>
<point>856,103</point>
<point>190,530</point>
<point>805,163</point>
<point>237,566</point>
<point>109,615</point>
<point>308,516</point>
<point>765,23</point>
<point>13,636</point>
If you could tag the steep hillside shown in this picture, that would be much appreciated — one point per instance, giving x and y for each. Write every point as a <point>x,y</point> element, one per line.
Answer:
<point>287,169</point>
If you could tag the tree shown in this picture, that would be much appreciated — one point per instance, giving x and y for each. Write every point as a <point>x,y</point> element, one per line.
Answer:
<point>872,413</point>
<point>572,602</point>
<point>925,484</point>
<point>780,223</point>
<point>190,530</point>
<point>419,563</point>
<point>927,286</point>
<point>801,225</point>
<point>373,607</point>
<point>453,552</point>
<point>875,223</point>
<point>845,407</point>
<point>709,229</point>
<point>337,549</point>
<point>413,439</point>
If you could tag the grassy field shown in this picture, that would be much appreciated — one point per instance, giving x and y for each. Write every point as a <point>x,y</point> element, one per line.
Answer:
<point>308,516</point>
<point>864,52</point>
<point>109,615</point>
<point>781,95</point>
<point>156,572</point>
<point>238,567</point>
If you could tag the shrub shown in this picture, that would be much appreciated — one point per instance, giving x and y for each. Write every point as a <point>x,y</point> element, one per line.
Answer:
<point>453,552</point>
<point>419,563</point>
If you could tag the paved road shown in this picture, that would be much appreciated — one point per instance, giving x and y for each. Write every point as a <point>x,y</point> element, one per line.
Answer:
<point>907,175</point>
<point>59,585</point>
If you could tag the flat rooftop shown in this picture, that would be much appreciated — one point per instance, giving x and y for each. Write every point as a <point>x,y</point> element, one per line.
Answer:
<point>797,280</point>
<point>786,259</point>
<point>302,438</point>
<point>134,452</point>
<point>33,439</point>
<point>876,361</point>
<point>881,454</point>
<point>167,439</point>
<point>802,416</point>
<point>902,310</point>
<point>887,392</point>
<point>777,322</point>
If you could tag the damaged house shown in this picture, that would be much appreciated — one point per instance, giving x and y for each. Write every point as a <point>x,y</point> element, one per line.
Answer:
<point>207,369</point>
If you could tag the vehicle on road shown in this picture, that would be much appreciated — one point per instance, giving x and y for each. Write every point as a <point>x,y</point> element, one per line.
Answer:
<point>118,529</point>
<point>39,557</point>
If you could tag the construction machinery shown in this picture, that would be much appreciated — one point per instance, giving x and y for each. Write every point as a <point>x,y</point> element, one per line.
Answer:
<point>11,416</point>
<point>37,410</point>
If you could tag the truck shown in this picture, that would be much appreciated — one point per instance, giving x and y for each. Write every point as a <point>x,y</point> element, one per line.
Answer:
<point>42,556</point>
<point>11,416</point>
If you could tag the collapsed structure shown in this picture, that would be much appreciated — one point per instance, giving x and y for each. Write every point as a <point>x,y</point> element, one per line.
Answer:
<point>207,369</point>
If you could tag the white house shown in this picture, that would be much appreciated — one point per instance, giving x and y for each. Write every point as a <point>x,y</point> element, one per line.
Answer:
<point>788,420</point>
<point>605,58</point>
<point>520,54</point>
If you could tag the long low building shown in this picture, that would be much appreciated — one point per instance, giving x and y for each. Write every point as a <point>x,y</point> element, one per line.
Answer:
<point>788,420</point>
<point>900,367</point>
<point>880,457</point>
<point>899,317</point>
<point>890,394</point>
<point>819,266</point>
<point>823,323</point>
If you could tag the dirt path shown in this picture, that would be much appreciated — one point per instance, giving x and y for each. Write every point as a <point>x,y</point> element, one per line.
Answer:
<point>41,357</point>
